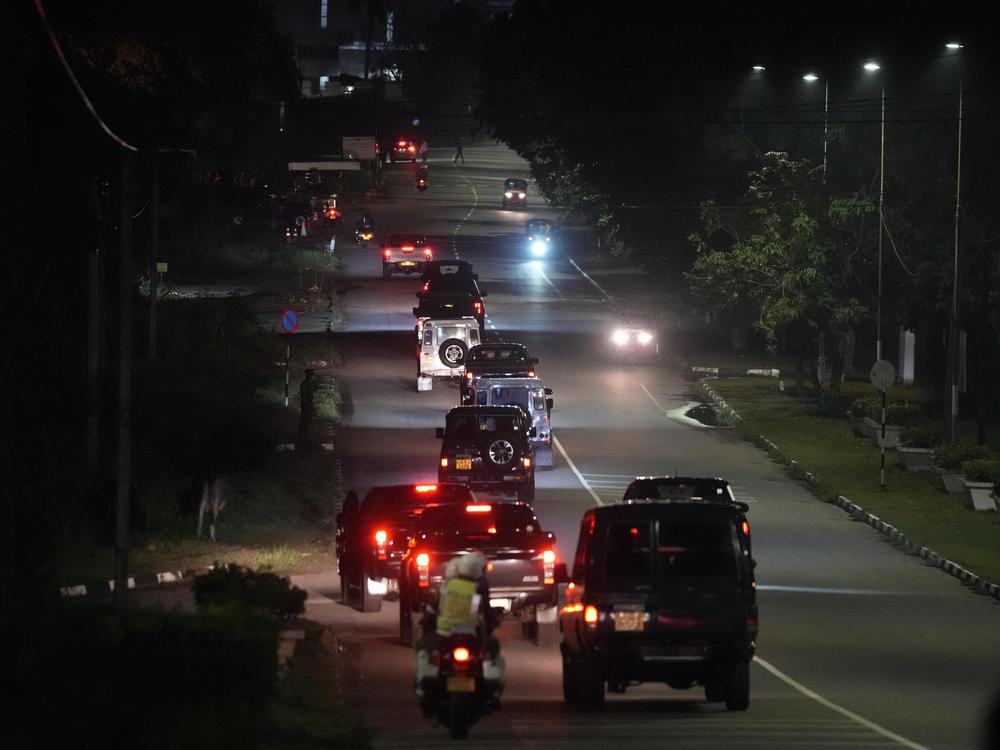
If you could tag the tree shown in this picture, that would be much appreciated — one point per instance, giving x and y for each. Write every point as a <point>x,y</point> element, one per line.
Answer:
<point>791,255</point>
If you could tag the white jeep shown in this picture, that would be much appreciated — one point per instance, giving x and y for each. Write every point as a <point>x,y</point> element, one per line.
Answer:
<point>444,348</point>
<point>533,398</point>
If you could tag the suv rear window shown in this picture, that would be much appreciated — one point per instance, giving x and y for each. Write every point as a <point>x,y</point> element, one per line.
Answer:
<point>660,551</point>
<point>679,488</point>
<point>500,522</point>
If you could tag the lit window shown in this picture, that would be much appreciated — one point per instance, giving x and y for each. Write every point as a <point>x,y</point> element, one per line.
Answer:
<point>324,81</point>
<point>324,7</point>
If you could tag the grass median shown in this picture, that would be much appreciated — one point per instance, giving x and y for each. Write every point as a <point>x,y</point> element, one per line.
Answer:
<point>845,464</point>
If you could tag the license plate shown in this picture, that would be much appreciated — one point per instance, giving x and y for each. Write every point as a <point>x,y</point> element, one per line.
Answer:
<point>461,684</point>
<point>463,464</point>
<point>629,621</point>
<point>408,264</point>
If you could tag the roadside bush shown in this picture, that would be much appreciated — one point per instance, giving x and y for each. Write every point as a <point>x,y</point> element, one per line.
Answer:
<point>867,406</point>
<point>259,591</point>
<point>981,470</point>
<point>921,436</point>
<point>952,457</point>
<point>903,413</point>
<point>154,679</point>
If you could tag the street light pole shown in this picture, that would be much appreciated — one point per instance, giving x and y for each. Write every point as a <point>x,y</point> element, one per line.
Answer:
<point>826,121</point>
<point>881,221</point>
<point>953,334</point>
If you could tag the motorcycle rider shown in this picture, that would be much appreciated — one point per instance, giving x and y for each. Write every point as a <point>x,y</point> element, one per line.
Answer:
<point>364,223</point>
<point>463,606</point>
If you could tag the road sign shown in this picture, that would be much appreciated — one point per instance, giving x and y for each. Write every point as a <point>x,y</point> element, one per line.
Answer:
<point>289,321</point>
<point>883,374</point>
<point>161,267</point>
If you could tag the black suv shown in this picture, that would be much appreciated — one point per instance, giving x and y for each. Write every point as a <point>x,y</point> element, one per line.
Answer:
<point>372,539</point>
<point>661,592</point>
<point>439,286</point>
<point>495,360</point>
<point>704,489</point>
<point>486,447</point>
<point>436,268</point>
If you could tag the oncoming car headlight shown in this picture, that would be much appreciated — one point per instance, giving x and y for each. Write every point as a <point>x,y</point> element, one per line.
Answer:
<point>508,194</point>
<point>538,247</point>
<point>521,195</point>
<point>620,337</point>
<point>645,337</point>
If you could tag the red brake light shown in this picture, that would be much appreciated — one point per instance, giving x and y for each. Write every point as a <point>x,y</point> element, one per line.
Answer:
<point>426,488</point>
<point>388,253</point>
<point>478,508</point>
<point>427,252</point>
<point>548,556</point>
<point>423,560</point>
<point>402,143</point>
<point>478,306</point>
<point>411,147</point>
<point>380,537</point>
<point>444,463</point>
<point>531,373</point>
<point>460,654</point>
<point>745,527</point>
<point>491,530</point>
<point>590,614</point>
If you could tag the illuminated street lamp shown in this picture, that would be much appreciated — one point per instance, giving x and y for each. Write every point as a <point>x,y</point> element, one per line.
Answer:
<point>871,66</point>
<point>759,68</point>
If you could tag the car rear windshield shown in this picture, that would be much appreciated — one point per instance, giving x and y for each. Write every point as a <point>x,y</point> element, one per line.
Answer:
<point>499,354</point>
<point>469,427</point>
<point>661,551</point>
<point>500,522</point>
<point>406,239</point>
<point>457,332</point>
<point>679,489</point>
<point>409,499</point>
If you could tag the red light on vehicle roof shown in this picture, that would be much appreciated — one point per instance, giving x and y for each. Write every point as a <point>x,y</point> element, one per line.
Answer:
<point>426,488</point>
<point>402,143</point>
<point>478,508</point>
<point>634,531</point>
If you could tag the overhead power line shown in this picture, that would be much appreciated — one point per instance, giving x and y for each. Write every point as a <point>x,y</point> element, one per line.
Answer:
<point>76,83</point>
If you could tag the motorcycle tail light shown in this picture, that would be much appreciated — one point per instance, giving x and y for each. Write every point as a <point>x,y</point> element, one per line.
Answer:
<point>590,614</point>
<point>460,654</point>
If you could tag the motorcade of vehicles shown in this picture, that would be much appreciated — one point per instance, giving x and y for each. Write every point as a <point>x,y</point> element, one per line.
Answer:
<point>487,448</point>
<point>436,268</point>
<point>457,284</point>
<point>661,591</point>
<point>403,150</point>
<point>539,233</point>
<point>635,337</point>
<point>405,253</point>
<point>521,562</point>
<point>496,360</point>
<point>462,685</point>
<point>515,193</point>
<point>443,305</point>
<point>371,541</point>
<point>444,346</point>
<point>531,395</point>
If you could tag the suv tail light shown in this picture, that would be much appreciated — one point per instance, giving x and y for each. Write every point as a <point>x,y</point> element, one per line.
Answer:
<point>590,614</point>
<point>549,566</point>
<point>460,654</point>
<point>745,528</point>
<point>478,306</point>
<point>526,461</point>
<point>387,253</point>
<point>423,569</point>
<point>444,463</point>
<point>381,537</point>
<point>427,252</point>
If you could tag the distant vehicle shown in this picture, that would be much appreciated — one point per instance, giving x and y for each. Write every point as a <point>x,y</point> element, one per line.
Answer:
<point>531,395</point>
<point>694,489</point>
<point>405,253</point>
<point>448,268</point>
<point>452,284</point>
<point>522,573</point>
<point>515,193</point>
<point>403,150</point>
<point>444,345</point>
<point>495,360</point>
<point>487,448</point>
<point>661,592</point>
<point>372,541</point>
<point>539,232</point>
<point>423,177</point>
<point>636,336</point>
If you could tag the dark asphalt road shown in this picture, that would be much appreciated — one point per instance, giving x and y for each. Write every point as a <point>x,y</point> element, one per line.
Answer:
<point>860,645</point>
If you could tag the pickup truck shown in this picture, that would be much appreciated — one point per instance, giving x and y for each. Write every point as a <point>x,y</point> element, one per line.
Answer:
<point>521,562</point>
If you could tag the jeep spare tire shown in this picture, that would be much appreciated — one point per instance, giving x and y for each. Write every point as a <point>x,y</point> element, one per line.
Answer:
<point>453,353</point>
<point>501,450</point>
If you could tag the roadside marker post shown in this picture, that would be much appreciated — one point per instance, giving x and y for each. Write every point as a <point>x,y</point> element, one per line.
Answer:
<point>289,322</point>
<point>883,375</point>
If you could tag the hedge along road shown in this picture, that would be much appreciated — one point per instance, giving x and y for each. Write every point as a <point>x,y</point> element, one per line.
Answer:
<point>860,645</point>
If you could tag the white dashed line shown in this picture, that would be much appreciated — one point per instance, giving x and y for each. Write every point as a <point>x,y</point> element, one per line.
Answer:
<point>868,723</point>
<point>549,282</point>
<point>658,404</point>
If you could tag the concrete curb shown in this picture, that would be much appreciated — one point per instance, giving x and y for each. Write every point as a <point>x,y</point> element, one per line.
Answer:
<point>721,372</point>
<point>134,582</point>
<point>726,413</point>
<point>585,275</point>
<point>894,535</point>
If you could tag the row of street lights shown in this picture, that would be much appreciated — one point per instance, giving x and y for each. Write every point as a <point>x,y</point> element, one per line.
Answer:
<point>871,66</point>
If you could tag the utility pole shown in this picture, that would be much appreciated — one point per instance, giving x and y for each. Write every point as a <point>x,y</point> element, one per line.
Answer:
<point>154,255</point>
<point>124,485</point>
<point>881,221</point>
<point>953,332</point>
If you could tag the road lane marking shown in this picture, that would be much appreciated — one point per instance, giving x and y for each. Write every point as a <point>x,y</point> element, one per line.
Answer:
<point>658,404</point>
<point>846,712</point>
<point>549,282</point>
<point>475,204</point>
<point>576,471</point>
<point>587,277</point>
<point>828,590</point>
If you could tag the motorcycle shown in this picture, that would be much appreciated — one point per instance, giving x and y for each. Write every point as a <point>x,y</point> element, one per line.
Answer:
<point>461,684</point>
<point>421,184</point>
<point>364,236</point>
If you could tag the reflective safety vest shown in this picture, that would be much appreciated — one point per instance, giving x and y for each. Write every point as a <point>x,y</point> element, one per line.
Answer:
<point>459,607</point>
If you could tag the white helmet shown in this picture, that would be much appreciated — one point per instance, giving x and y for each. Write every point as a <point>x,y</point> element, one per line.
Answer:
<point>469,566</point>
